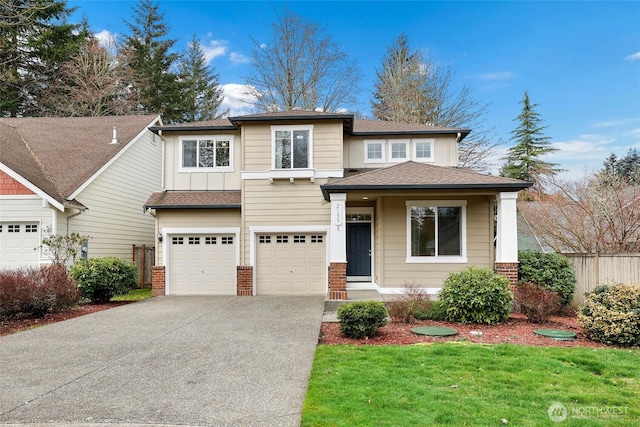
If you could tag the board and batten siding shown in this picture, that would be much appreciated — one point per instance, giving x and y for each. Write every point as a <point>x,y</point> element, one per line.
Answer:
<point>392,248</point>
<point>115,219</point>
<point>445,151</point>
<point>209,180</point>
<point>194,218</point>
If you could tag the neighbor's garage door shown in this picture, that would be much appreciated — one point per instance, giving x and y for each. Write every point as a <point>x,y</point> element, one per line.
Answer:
<point>18,241</point>
<point>291,264</point>
<point>202,264</point>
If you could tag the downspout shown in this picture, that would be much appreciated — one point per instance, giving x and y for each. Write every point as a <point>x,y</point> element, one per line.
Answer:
<point>71,216</point>
<point>162,160</point>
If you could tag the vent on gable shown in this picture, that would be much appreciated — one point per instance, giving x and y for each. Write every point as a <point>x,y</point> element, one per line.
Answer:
<point>114,138</point>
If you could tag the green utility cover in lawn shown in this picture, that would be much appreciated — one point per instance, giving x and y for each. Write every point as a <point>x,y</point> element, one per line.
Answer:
<point>556,334</point>
<point>434,331</point>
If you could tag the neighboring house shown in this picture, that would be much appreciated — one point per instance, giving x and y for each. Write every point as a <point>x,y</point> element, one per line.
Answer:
<point>302,202</point>
<point>89,175</point>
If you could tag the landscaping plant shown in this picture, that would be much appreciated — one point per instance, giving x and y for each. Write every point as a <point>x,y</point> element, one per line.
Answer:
<point>437,311</point>
<point>100,279</point>
<point>550,270</point>
<point>402,307</point>
<point>476,295</point>
<point>611,314</point>
<point>536,302</point>
<point>36,291</point>
<point>361,319</point>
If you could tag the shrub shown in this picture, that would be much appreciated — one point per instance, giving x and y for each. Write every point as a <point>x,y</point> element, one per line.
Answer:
<point>36,291</point>
<point>402,306</point>
<point>611,315</point>
<point>536,302</point>
<point>361,319</point>
<point>437,311</point>
<point>549,270</point>
<point>476,295</point>
<point>100,279</point>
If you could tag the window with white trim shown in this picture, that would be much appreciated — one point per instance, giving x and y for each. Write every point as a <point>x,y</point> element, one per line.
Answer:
<point>423,150</point>
<point>436,231</point>
<point>207,152</point>
<point>374,151</point>
<point>292,147</point>
<point>398,150</point>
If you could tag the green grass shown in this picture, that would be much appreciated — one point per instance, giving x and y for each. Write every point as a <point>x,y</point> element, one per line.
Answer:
<point>134,295</point>
<point>458,384</point>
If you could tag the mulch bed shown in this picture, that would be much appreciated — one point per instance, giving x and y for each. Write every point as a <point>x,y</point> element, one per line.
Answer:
<point>516,330</point>
<point>10,326</point>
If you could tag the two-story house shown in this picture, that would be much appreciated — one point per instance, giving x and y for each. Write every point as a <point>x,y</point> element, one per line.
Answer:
<point>302,202</point>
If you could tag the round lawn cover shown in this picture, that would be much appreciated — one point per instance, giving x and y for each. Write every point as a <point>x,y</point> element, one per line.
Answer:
<point>434,331</point>
<point>556,334</point>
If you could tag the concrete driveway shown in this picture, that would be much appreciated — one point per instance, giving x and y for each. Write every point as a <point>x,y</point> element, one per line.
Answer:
<point>200,361</point>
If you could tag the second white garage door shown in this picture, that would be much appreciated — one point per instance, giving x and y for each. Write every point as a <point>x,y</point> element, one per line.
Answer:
<point>202,264</point>
<point>291,264</point>
<point>18,241</point>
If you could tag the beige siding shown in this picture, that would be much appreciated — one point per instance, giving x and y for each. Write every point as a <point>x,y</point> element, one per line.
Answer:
<point>391,250</point>
<point>115,219</point>
<point>195,218</point>
<point>177,180</point>
<point>445,151</point>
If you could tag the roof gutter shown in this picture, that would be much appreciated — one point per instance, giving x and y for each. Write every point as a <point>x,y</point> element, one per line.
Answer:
<point>229,206</point>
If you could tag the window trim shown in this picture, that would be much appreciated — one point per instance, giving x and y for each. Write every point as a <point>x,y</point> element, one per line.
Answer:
<point>291,128</point>
<point>197,138</point>
<point>406,143</point>
<point>382,143</point>
<point>431,142</point>
<point>451,259</point>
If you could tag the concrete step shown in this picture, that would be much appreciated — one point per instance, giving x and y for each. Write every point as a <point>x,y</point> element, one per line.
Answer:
<point>331,306</point>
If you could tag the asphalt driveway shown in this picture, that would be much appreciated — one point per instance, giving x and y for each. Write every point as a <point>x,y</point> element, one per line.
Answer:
<point>200,361</point>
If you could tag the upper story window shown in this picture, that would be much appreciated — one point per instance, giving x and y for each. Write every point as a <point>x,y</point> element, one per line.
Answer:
<point>374,151</point>
<point>398,151</point>
<point>423,150</point>
<point>207,152</point>
<point>292,147</point>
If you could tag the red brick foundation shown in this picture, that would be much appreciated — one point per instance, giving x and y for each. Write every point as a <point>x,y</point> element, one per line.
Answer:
<point>245,281</point>
<point>338,280</point>
<point>157,280</point>
<point>509,270</point>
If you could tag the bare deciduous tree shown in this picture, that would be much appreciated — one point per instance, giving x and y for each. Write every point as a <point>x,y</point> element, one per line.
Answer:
<point>301,68</point>
<point>588,216</point>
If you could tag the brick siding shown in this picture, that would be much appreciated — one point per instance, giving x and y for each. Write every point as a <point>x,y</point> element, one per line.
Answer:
<point>245,280</point>
<point>509,270</point>
<point>338,280</point>
<point>157,280</point>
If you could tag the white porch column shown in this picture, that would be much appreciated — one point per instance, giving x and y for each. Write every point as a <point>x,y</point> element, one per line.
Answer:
<point>507,228</point>
<point>338,238</point>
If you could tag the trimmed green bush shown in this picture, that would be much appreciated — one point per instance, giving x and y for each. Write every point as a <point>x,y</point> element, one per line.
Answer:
<point>100,279</point>
<point>476,295</point>
<point>550,270</point>
<point>437,311</point>
<point>36,291</point>
<point>361,319</point>
<point>611,315</point>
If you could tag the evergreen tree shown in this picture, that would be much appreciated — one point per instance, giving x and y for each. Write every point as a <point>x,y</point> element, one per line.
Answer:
<point>523,160</point>
<point>154,86</point>
<point>626,168</point>
<point>35,38</point>
<point>201,91</point>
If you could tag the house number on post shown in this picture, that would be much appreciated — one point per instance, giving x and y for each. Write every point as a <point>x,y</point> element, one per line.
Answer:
<point>338,221</point>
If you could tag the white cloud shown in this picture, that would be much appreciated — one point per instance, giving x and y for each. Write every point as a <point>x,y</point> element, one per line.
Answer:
<point>612,123</point>
<point>105,38</point>
<point>234,99</point>
<point>499,75</point>
<point>214,48</point>
<point>238,58</point>
<point>633,57</point>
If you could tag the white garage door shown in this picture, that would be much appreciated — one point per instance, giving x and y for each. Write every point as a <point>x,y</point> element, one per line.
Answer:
<point>17,243</point>
<point>291,264</point>
<point>202,264</point>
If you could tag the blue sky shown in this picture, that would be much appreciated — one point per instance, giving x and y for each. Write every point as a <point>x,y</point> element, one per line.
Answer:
<point>579,60</point>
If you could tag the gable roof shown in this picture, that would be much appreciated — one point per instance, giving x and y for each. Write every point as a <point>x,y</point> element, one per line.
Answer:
<point>58,155</point>
<point>352,125</point>
<point>195,199</point>
<point>411,175</point>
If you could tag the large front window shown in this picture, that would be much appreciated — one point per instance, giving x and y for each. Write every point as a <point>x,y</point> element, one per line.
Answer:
<point>436,231</point>
<point>292,147</point>
<point>206,152</point>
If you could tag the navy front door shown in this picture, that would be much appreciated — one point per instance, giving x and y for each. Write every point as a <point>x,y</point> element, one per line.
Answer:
<point>359,250</point>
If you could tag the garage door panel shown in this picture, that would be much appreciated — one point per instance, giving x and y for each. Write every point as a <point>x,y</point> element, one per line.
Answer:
<point>17,243</point>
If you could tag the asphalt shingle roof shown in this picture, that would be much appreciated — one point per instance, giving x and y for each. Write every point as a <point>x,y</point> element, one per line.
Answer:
<point>194,200</point>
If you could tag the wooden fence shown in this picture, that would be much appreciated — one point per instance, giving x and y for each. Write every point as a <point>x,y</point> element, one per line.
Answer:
<point>144,257</point>
<point>594,270</point>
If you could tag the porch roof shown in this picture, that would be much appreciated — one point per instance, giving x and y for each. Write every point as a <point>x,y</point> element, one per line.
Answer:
<point>420,176</point>
<point>194,200</point>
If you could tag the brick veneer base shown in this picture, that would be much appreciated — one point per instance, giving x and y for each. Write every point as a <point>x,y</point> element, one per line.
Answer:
<point>245,281</point>
<point>338,280</point>
<point>157,280</point>
<point>509,270</point>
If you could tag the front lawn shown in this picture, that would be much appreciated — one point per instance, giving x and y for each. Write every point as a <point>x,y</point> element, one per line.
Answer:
<point>134,295</point>
<point>475,385</point>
